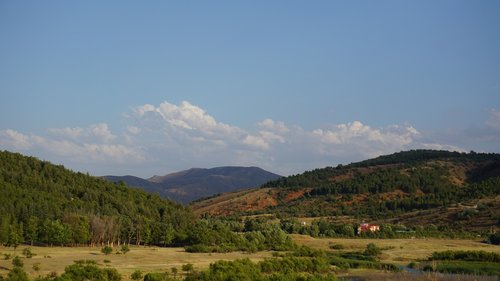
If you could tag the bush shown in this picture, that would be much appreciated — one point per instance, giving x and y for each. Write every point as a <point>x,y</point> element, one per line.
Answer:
<point>372,250</point>
<point>125,249</point>
<point>136,275</point>
<point>475,268</point>
<point>336,246</point>
<point>157,276</point>
<point>83,270</point>
<point>28,253</point>
<point>188,267</point>
<point>17,262</point>
<point>466,256</point>
<point>36,266</point>
<point>198,248</point>
<point>17,274</point>
<point>494,239</point>
<point>107,250</point>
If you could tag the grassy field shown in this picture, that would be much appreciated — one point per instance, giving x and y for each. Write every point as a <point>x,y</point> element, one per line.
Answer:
<point>150,259</point>
<point>398,251</point>
<point>147,259</point>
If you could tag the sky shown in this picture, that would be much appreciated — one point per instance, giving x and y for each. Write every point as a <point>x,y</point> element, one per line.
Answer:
<point>151,87</point>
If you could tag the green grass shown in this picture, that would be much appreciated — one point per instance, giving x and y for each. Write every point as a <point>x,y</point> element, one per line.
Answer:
<point>468,267</point>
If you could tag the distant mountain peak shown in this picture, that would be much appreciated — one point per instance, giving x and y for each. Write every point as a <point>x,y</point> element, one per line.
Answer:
<point>196,183</point>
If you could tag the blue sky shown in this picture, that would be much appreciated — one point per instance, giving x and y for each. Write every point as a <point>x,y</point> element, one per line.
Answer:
<point>151,87</point>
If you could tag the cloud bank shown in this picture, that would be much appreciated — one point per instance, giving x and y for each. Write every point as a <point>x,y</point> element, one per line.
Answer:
<point>169,137</point>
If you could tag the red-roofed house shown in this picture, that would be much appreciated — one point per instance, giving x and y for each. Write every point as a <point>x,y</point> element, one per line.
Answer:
<point>365,227</point>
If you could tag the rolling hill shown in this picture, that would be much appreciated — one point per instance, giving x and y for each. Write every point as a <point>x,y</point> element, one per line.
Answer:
<point>196,183</point>
<point>46,203</point>
<point>459,190</point>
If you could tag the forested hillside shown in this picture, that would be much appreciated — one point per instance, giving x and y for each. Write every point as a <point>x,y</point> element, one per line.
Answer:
<point>45,203</point>
<point>382,188</point>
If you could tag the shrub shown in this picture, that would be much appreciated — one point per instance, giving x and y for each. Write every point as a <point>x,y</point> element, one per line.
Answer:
<point>198,248</point>
<point>157,276</point>
<point>372,250</point>
<point>17,262</point>
<point>36,266</point>
<point>466,256</point>
<point>188,267</point>
<point>125,249</point>
<point>107,250</point>
<point>136,275</point>
<point>87,270</point>
<point>494,239</point>
<point>336,246</point>
<point>28,253</point>
<point>17,274</point>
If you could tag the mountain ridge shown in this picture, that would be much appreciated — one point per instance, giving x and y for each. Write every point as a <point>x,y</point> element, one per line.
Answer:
<point>195,183</point>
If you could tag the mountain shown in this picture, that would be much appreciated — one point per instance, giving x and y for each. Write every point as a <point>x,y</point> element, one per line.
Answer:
<point>196,183</point>
<point>418,186</point>
<point>48,203</point>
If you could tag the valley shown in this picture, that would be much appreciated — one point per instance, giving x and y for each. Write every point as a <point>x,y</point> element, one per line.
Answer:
<point>366,218</point>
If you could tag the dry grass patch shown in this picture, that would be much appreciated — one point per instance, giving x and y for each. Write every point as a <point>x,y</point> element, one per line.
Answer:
<point>398,251</point>
<point>147,259</point>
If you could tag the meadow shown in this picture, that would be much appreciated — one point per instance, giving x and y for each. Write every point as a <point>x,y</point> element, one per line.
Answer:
<point>156,259</point>
<point>147,259</point>
<point>398,251</point>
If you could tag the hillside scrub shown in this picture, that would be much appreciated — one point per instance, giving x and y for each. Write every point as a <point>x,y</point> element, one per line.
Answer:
<point>388,186</point>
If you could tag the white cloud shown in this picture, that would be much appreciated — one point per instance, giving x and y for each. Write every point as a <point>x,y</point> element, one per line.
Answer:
<point>494,120</point>
<point>99,132</point>
<point>173,137</point>
<point>85,145</point>
<point>14,139</point>
<point>275,126</point>
<point>356,133</point>
<point>102,132</point>
<point>133,130</point>
<point>143,109</point>
<point>73,133</point>
<point>256,141</point>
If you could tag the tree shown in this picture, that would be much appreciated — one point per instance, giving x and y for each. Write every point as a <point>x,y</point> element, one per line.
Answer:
<point>31,230</point>
<point>4,228</point>
<point>54,232</point>
<point>15,238</point>
<point>17,274</point>
<point>78,227</point>
<point>169,235</point>
<point>136,275</point>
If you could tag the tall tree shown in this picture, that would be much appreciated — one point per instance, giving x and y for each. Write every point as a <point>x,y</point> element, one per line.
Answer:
<point>31,230</point>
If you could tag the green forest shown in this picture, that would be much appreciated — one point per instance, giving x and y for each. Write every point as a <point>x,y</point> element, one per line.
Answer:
<point>414,180</point>
<point>49,204</point>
